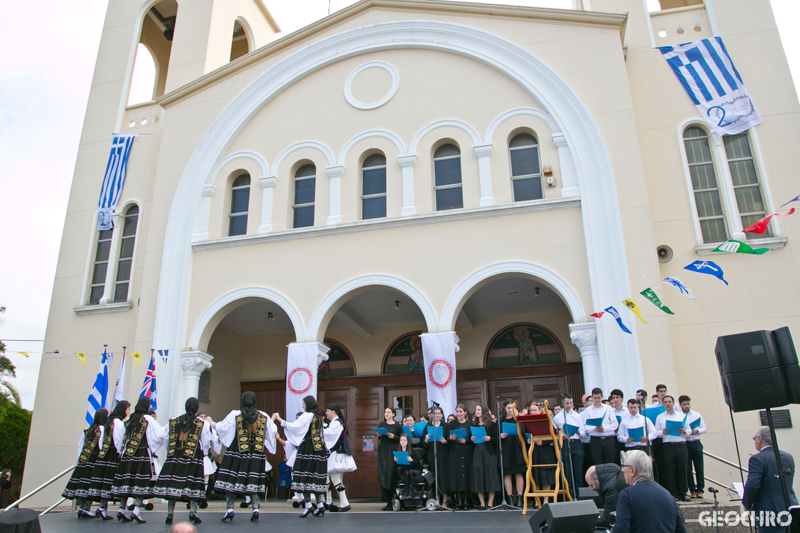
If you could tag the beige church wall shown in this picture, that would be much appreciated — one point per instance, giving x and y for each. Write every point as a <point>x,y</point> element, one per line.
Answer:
<point>227,347</point>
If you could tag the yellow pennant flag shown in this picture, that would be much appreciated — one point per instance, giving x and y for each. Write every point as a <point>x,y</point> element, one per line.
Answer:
<point>23,353</point>
<point>137,356</point>
<point>82,357</point>
<point>630,304</point>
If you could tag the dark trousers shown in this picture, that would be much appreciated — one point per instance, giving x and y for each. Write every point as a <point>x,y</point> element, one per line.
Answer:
<point>694,449</point>
<point>676,465</point>
<point>619,448</point>
<point>658,457</point>
<point>602,450</point>
<point>572,457</point>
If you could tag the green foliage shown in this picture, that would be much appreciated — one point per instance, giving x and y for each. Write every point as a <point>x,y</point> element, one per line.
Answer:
<point>15,425</point>
<point>7,368</point>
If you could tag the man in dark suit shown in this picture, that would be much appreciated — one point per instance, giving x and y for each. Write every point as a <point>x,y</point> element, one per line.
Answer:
<point>762,492</point>
<point>645,506</point>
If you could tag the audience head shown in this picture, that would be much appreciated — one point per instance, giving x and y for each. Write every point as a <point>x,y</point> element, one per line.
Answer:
<point>597,396</point>
<point>633,407</point>
<point>409,420</point>
<point>591,479</point>
<point>508,408</point>
<point>637,465</point>
<point>450,418</point>
<point>403,442</point>
<point>298,415</point>
<point>388,415</point>
<point>655,399</point>
<point>483,415</point>
<point>762,438</point>
<point>535,409</point>
<point>586,400</point>
<point>556,409</point>
<point>310,404</point>
<point>605,402</point>
<point>685,402</point>
<point>182,527</point>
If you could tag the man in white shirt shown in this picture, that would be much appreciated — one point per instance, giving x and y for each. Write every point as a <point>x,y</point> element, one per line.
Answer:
<point>601,426</point>
<point>572,448</point>
<point>615,399</point>
<point>676,462</point>
<point>635,421</point>
<point>694,448</point>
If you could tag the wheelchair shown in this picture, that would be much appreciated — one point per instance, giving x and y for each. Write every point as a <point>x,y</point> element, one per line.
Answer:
<point>420,494</point>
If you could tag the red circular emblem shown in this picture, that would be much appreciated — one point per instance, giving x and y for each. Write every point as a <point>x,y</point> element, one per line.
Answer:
<point>440,373</point>
<point>299,380</point>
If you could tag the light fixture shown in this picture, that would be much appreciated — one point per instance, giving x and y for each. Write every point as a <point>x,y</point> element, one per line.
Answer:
<point>536,292</point>
<point>397,305</point>
<point>270,316</point>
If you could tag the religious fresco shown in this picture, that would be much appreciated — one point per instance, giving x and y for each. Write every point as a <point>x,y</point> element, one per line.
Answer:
<point>339,363</point>
<point>405,355</point>
<point>523,345</point>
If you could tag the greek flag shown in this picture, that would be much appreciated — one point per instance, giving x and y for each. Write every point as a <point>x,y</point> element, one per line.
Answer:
<point>706,71</point>
<point>98,398</point>
<point>149,385</point>
<point>114,179</point>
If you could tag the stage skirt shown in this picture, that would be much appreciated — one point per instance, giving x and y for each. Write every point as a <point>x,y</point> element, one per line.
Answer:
<point>181,479</point>
<point>241,473</point>
<point>134,476</point>
<point>103,476</point>
<point>80,482</point>
<point>310,469</point>
<point>340,463</point>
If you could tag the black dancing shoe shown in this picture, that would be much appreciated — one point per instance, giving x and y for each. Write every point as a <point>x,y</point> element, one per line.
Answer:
<point>138,519</point>
<point>168,521</point>
<point>148,506</point>
<point>343,509</point>
<point>228,517</point>
<point>254,517</point>
<point>388,507</point>
<point>332,507</point>
<point>320,510</point>
<point>296,504</point>
<point>306,512</point>
<point>131,506</point>
<point>121,517</point>
<point>194,518</point>
<point>244,505</point>
<point>101,513</point>
<point>203,504</point>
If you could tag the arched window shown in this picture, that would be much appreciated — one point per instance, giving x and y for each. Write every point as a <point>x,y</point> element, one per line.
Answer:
<point>126,247</point>
<point>240,201</point>
<point>100,266</point>
<point>305,180</point>
<point>240,45</point>
<point>523,344</point>
<point>707,196</point>
<point>143,80</point>
<point>447,177</point>
<point>745,182</point>
<point>526,174</point>
<point>373,187</point>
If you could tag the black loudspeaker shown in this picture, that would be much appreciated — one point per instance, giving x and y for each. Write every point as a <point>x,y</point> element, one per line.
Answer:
<point>759,369</point>
<point>566,517</point>
<point>587,493</point>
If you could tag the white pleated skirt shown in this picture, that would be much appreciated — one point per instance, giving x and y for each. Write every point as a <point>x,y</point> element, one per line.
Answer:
<point>340,462</point>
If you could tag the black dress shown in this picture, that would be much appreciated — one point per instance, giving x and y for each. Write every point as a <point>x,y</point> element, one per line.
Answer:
<point>310,471</point>
<point>544,455</point>
<point>442,455</point>
<point>513,460</point>
<point>134,476</point>
<point>105,467</point>
<point>387,471</point>
<point>485,473</point>
<point>181,477</point>
<point>459,459</point>
<point>242,467</point>
<point>409,474</point>
<point>80,483</point>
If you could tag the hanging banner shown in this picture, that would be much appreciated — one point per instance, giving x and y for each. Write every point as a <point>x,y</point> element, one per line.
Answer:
<point>675,282</point>
<point>651,295</point>
<point>707,267</point>
<point>630,304</point>
<point>23,353</point>
<point>761,226</point>
<point>440,369</point>
<point>301,376</point>
<point>706,72</point>
<point>613,312</point>
<point>738,247</point>
<point>82,357</point>
<point>114,179</point>
<point>137,357</point>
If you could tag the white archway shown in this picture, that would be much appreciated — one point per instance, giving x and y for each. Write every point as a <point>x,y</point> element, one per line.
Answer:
<point>519,111</point>
<point>260,161</point>
<point>324,150</point>
<point>383,134</point>
<point>446,123</point>
<point>325,309</point>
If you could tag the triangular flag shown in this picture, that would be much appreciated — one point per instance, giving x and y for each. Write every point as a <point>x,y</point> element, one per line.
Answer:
<point>82,357</point>
<point>675,282</point>
<point>137,356</point>
<point>23,353</point>
<point>630,304</point>
<point>738,247</point>
<point>707,267</point>
<point>164,354</point>
<point>761,226</point>
<point>613,312</point>
<point>651,295</point>
<point>598,314</point>
<point>795,199</point>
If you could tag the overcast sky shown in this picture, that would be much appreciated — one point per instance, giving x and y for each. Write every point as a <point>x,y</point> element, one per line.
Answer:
<point>46,74</point>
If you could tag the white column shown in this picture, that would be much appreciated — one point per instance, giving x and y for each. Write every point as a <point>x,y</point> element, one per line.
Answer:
<point>267,187</point>
<point>193,364</point>
<point>483,151</point>
<point>335,208</point>
<point>569,174</point>
<point>407,163</point>
<point>726,185</point>
<point>584,336</point>
<point>203,211</point>
<point>113,255</point>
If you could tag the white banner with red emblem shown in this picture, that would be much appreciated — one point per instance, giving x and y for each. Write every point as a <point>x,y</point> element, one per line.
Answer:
<point>301,376</point>
<point>439,351</point>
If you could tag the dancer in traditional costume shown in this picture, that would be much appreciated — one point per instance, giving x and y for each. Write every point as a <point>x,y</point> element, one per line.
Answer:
<point>310,462</point>
<point>181,477</point>
<point>105,468</point>
<point>340,460</point>
<point>248,435</point>
<point>81,480</point>
<point>135,475</point>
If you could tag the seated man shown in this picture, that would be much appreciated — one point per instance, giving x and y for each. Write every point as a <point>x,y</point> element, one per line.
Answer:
<point>645,506</point>
<point>608,481</point>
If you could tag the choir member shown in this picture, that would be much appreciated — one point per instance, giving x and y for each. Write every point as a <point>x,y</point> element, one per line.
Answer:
<point>410,474</point>
<point>544,453</point>
<point>134,476</point>
<point>387,473</point>
<point>80,482</point>
<point>620,412</point>
<point>440,451</point>
<point>694,447</point>
<point>602,443</point>
<point>459,458</point>
<point>513,459</point>
<point>182,476</point>
<point>676,464</point>
<point>572,452</point>
<point>108,459</point>
<point>247,434</point>
<point>556,409</point>
<point>310,467</point>
<point>485,476</point>
<point>635,421</point>
<point>341,459</point>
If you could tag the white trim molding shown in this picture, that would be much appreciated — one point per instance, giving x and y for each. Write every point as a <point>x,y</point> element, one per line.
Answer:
<point>102,309</point>
<point>383,134</point>
<point>299,146</point>
<point>348,85</point>
<point>445,123</point>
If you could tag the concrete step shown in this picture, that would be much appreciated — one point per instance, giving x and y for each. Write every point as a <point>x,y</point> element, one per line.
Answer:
<point>699,517</point>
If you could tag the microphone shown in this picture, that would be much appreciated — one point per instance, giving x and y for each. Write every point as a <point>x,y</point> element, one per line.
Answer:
<point>435,403</point>
<point>712,490</point>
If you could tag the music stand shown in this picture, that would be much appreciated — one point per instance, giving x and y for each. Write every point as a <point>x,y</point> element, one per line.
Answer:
<point>505,506</point>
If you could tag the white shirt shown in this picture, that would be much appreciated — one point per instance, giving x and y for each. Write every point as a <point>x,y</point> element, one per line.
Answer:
<point>609,420</point>
<point>295,433</point>
<point>661,424</point>
<point>332,432</point>
<point>82,440</point>
<point>226,431</point>
<point>633,422</point>
<point>573,418</point>
<point>691,417</point>
<point>621,415</point>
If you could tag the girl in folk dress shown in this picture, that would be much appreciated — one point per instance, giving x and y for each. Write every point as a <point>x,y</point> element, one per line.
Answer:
<point>81,480</point>
<point>387,471</point>
<point>513,459</point>
<point>134,477</point>
<point>459,458</point>
<point>485,476</point>
<point>341,459</point>
<point>248,435</point>
<point>310,461</point>
<point>105,468</point>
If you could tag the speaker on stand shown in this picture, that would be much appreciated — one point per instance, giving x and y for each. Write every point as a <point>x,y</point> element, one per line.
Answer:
<point>565,517</point>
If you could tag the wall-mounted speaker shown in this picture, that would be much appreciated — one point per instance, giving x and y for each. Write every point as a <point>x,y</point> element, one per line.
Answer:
<point>664,253</point>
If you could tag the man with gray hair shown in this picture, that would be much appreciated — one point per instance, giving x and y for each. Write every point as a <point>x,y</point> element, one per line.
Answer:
<point>182,527</point>
<point>762,492</point>
<point>645,506</point>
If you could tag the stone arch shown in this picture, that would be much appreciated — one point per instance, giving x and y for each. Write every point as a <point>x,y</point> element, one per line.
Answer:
<point>298,146</point>
<point>258,159</point>
<point>530,111</point>
<point>472,132</point>
<point>401,148</point>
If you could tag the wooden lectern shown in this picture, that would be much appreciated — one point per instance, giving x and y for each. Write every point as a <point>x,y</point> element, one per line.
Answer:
<point>541,429</point>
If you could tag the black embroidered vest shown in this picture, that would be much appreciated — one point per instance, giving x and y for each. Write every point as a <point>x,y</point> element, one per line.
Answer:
<point>108,441</point>
<point>249,443</point>
<point>188,447</point>
<point>89,444</point>
<point>136,437</point>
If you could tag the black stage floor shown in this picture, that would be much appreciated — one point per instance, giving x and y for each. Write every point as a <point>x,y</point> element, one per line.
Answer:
<point>463,522</point>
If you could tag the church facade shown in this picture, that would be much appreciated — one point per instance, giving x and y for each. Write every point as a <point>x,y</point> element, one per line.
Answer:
<point>418,166</point>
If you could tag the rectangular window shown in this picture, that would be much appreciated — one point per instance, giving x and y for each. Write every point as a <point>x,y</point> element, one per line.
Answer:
<point>304,196</point>
<point>100,267</point>
<point>745,182</point>
<point>373,193</point>
<point>704,183</point>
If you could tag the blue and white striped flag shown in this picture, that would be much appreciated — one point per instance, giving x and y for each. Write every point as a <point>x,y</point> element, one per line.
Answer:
<point>98,398</point>
<point>116,170</point>
<point>706,71</point>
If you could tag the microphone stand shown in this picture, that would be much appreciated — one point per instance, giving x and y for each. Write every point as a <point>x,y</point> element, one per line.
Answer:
<point>646,433</point>
<point>569,451</point>
<point>505,506</point>
<point>436,506</point>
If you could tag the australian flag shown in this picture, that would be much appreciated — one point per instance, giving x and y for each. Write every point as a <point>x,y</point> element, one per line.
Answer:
<point>149,385</point>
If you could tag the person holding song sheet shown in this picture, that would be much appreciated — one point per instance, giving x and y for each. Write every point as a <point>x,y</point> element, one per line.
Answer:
<point>620,412</point>
<point>601,425</point>
<point>387,443</point>
<point>571,423</point>
<point>513,458</point>
<point>436,431</point>
<point>544,453</point>
<point>673,427</point>
<point>409,469</point>
<point>459,457</point>
<point>485,476</point>
<point>694,448</point>
<point>634,430</point>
